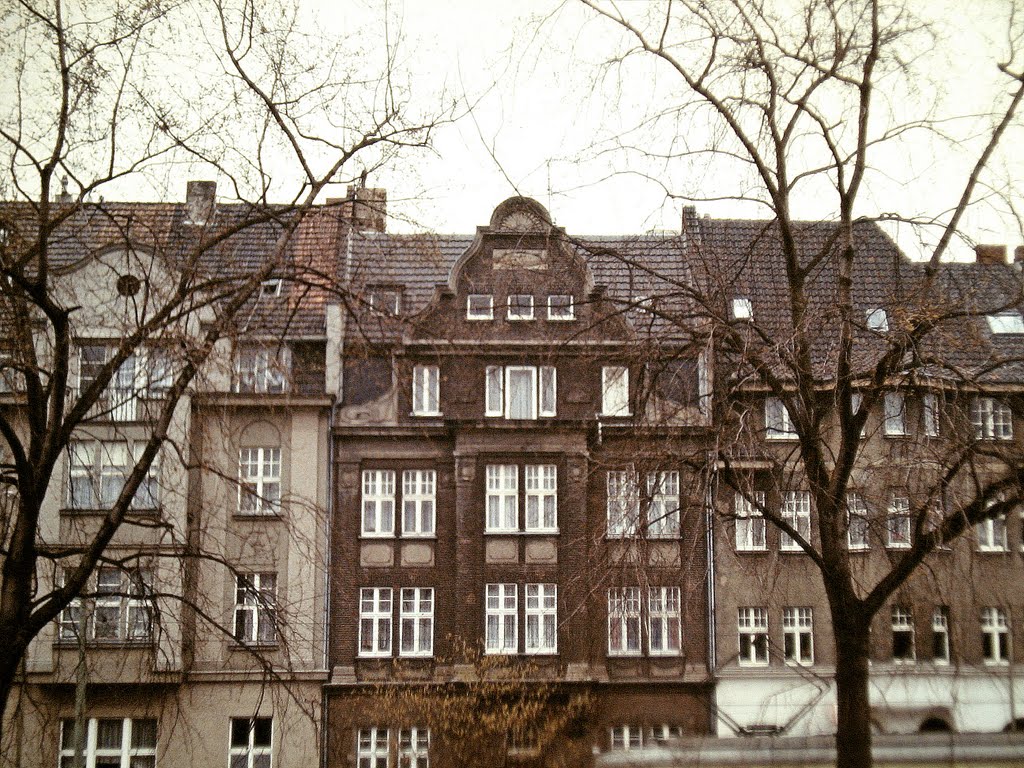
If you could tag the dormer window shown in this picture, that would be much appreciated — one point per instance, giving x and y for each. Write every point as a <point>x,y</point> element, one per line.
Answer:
<point>480,306</point>
<point>560,307</point>
<point>270,288</point>
<point>384,301</point>
<point>742,309</point>
<point>877,319</point>
<point>520,306</point>
<point>261,370</point>
<point>1005,323</point>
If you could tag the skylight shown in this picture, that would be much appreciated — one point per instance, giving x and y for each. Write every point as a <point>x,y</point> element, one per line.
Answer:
<point>878,320</point>
<point>1006,322</point>
<point>742,309</point>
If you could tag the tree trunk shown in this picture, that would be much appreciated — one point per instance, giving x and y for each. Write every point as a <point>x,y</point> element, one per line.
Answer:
<point>853,732</point>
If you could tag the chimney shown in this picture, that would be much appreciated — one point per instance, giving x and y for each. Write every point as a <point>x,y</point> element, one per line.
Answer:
<point>369,207</point>
<point>1018,254</point>
<point>990,254</point>
<point>200,202</point>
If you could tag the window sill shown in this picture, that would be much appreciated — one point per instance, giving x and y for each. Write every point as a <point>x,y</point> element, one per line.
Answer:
<point>426,415</point>
<point>1000,663</point>
<point>895,435</point>
<point>751,550</point>
<point>94,511</point>
<point>858,549</point>
<point>541,652</point>
<point>786,437</point>
<point>271,515</point>
<point>993,550</point>
<point>142,642</point>
<point>800,664</point>
<point>560,319</point>
<point>253,646</point>
<point>506,652</point>
<point>546,532</point>
<point>753,664</point>
<point>791,551</point>
<point>625,655</point>
<point>897,546</point>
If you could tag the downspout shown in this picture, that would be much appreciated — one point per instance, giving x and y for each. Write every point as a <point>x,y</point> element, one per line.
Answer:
<point>709,519</point>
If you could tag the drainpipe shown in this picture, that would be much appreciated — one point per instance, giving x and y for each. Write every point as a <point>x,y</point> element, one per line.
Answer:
<point>709,519</point>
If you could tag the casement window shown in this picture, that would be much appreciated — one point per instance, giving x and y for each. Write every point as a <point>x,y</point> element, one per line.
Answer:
<point>501,619</point>
<point>416,622</point>
<point>995,636</point>
<point>419,489</point>
<point>414,747</point>
<point>111,743</point>
<point>664,620</point>
<point>742,308</point>
<point>384,300</point>
<point>903,651</point>
<point>541,498</point>
<point>251,742</point>
<point>930,414</point>
<point>778,425</point>
<point>664,733</point>
<point>378,502</point>
<point>940,635</point>
<point>615,390</point>
<point>256,608</point>
<point>856,522</point>
<point>375,621</point>
<point>119,611</point>
<point>259,481</point>
<point>898,523</point>
<point>426,390</point>
<point>1007,322</point>
<point>991,534</point>
<point>623,504</point>
<point>502,498</point>
<point>561,307</point>
<point>796,510</point>
<point>798,635</point>
<point>626,737</point>
<point>520,306</point>
<point>991,419</point>
<point>750,528</point>
<point>894,423</point>
<point>520,391</point>
<point>541,618</point>
<point>145,374</point>
<point>752,628</point>
<point>624,621</point>
<point>479,306</point>
<point>663,504</point>
<point>262,370</point>
<point>877,319</point>
<point>655,516</point>
<point>97,473</point>
<point>373,748</point>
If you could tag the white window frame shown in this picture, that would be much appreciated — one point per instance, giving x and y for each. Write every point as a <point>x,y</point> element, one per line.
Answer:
<point>375,621</point>
<point>894,423</point>
<point>877,319</point>
<point>742,308</point>
<point>903,623</point>
<point>259,481</point>
<point>502,511</point>
<point>526,311</point>
<point>798,627</point>
<point>416,622</point>
<point>777,422</point>
<point>991,534</point>
<point>568,308</point>
<point>664,621</point>
<point>897,524</point>
<point>991,418</point>
<point>615,391</point>
<point>255,609</point>
<point>513,372</point>
<point>127,595</point>
<point>384,300</point>
<point>663,507</point>
<point>1007,322</point>
<point>419,503</point>
<point>543,391</point>
<point>541,619</point>
<point>501,619</point>
<point>541,498</point>
<point>100,469</point>
<point>426,390</point>
<point>930,414</point>
<point>796,510</point>
<point>145,374</point>
<point>857,522</point>
<point>373,748</point>
<point>750,523</point>
<point>377,510</point>
<point>995,637</point>
<point>256,755</point>
<point>623,504</point>
<point>625,738</point>
<point>414,747</point>
<point>940,635</point>
<point>478,313</point>
<point>262,370</point>
<point>624,622</point>
<point>127,753</point>
<point>752,634</point>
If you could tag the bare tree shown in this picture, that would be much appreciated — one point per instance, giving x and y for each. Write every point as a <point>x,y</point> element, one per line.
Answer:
<point>802,100</point>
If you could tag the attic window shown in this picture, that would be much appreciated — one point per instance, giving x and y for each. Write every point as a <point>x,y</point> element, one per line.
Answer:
<point>520,306</point>
<point>479,306</point>
<point>1006,322</point>
<point>742,309</point>
<point>560,307</point>
<point>271,288</point>
<point>384,301</point>
<point>877,319</point>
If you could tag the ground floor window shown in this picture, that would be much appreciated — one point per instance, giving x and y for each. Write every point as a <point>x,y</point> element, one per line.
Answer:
<point>110,743</point>
<point>251,742</point>
<point>382,748</point>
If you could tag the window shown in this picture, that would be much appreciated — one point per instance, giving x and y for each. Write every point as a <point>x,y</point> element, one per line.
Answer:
<point>259,490</point>
<point>624,621</point>
<point>991,534</point>
<point>856,522</point>
<point>479,306</point>
<point>930,414</point>
<point>663,733</point>
<point>97,473</point>
<point>798,635</point>
<point>541,488</point>
<point>902,635</point>
<point>796,510</point>
<point>623,504</point>
<point>626,737</point>
<point>742,309</point>
<point>121,609</point>
<point>520,306</point>
<point>414,748</point>
<point>898,523</point>
<point>541,618</point>
<point>894,424</point>
<point>418,502</point>
<point>561,307</point>
<point>877,319</point>
<point>255,602</point>
<point>425,390</point>
<point>664,620</point>
<point>520,391</point>
<point>502,498</point>
<point>146,373</point>
<point>750,531</point>
<point>261,370</point>
<point>991,419</point>
<point>270,288</point>
<point>378,502</point>
<point>375,621</point>
<point>752,624</point>
<point>372,748</point>
<point>995,637</point>
<point>111,743</point>
<point>251,742</point>
<point>663,505</point>
<point>541,497</point>
<point>501,618</point>
<point>384,300</point>
<point>615,390</point>
<point>416,626</point>
<point>1008,322</point>
<point>778,425</point>
<point>940,635</point>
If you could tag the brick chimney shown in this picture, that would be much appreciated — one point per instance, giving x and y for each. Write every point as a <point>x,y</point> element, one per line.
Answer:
<point>200,202</point>
<point>990,254</point>
<point>1018,254</point>
<point>369,207</point>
